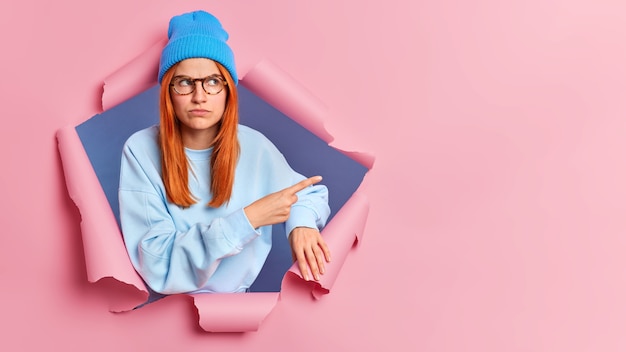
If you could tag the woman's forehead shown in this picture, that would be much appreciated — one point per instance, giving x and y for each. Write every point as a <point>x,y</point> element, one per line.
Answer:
<point>196,67</point>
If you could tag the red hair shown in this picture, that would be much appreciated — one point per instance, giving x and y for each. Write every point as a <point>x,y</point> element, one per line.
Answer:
<point>174,165</point>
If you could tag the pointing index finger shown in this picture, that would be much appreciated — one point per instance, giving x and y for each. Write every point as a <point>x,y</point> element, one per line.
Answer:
<point>304,184</point>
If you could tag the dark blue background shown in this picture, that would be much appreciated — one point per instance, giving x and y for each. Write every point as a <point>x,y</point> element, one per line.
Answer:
<point>103,137</point>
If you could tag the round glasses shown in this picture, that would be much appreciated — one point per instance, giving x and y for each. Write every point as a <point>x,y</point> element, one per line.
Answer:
<point>184,85</point>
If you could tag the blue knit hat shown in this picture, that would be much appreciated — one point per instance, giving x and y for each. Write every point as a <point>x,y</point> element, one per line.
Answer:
<point>196,34</point>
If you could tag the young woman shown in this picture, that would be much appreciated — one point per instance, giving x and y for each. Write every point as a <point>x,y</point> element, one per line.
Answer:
<point>199,193</point>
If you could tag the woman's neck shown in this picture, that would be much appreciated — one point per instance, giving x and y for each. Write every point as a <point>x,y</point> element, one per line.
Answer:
<point>198,139</point>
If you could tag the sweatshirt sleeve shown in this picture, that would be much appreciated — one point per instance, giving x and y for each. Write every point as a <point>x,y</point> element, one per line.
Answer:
<point>311,209</point>
<point>172,261</point>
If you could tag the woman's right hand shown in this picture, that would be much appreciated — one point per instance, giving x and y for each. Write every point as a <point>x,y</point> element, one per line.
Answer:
<point>276,207</point>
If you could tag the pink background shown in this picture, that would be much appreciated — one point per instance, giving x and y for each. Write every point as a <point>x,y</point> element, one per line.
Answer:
<point>496,220</point>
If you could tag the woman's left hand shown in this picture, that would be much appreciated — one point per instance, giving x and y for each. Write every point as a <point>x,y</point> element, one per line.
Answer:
<point>310,250</point>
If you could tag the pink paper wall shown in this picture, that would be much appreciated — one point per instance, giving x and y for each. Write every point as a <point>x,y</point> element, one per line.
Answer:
<point>496,219</point>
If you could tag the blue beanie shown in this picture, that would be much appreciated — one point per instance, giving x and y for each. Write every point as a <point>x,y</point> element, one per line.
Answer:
<point>196,34</point>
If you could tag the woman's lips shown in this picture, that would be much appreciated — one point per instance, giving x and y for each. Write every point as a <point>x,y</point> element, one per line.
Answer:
<point>198,112</point>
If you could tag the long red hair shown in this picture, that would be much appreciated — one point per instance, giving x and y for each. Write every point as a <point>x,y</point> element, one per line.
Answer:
<point>174,165</point>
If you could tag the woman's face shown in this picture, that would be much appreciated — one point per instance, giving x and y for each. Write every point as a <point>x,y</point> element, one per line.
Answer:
<point>198,112</point>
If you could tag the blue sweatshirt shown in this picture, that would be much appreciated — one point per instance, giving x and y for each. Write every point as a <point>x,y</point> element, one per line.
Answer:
<point>204,249</point>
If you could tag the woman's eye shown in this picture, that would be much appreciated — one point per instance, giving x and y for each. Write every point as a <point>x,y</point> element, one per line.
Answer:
<point>212,81</point>
<point>185,82</point>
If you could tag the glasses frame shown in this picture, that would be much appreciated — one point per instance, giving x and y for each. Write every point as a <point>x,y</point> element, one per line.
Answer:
<point>201,80</point>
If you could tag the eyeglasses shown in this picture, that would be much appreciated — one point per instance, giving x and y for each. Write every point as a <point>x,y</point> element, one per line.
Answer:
<point>184,85</point>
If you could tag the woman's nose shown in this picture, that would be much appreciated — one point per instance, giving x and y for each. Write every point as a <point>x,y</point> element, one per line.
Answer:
<point>199,95</point>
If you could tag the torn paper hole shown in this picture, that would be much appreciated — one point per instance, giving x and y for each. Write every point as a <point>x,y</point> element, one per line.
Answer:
<point>282,110</point>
